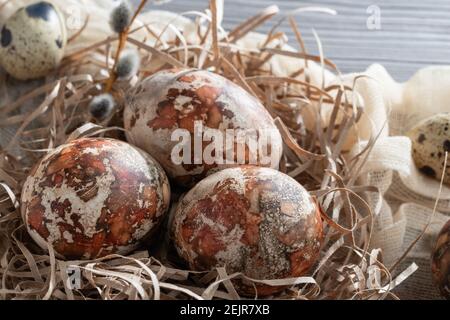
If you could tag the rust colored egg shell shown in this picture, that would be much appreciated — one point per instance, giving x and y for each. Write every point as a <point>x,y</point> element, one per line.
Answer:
<point>173,99</point>
<point>440,265</point>
<point>93,197</point>
<point>253,220</point>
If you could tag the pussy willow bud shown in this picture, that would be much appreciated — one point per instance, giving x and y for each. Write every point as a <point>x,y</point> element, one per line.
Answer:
<point>121,17</point>
<point>128,64</point>
<point>102,106</point>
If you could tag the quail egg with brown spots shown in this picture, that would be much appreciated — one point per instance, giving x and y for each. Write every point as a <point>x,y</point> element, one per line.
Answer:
<point>32,41</point>
<point>430,140</point>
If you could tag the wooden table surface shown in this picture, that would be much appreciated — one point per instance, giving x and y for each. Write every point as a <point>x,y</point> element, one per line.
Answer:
<point>412,33</point>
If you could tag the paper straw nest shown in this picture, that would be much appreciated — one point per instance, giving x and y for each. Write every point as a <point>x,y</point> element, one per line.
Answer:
<point>317,123</point>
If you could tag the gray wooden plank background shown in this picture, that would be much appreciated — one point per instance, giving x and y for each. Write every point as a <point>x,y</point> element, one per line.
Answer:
<point>412,33</point>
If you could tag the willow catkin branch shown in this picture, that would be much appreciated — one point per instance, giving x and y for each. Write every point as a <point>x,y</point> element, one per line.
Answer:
<point>214,30</point>
<point>123,37</point>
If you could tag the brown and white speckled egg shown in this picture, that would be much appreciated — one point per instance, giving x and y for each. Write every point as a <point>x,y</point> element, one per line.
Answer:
<point>430,140</point>
<point>253,220</point>
<point>440,263</point>
<point>32,41</point>
<point>92,197</point>
<point>176,99</point>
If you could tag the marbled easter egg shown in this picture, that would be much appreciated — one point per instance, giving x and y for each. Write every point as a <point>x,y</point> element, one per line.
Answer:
<point>252,220</point>
<point>32,41</point>
<point>191,104</point>
<point>92,197</point>
<point>430,140</point>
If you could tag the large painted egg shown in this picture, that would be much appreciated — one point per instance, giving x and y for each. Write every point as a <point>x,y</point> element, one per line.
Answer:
<point>253,220</point>
<point>210,117</point>
<point>32,41</point>
<point>440,263</point>
<point>92,197</point>
<point>430,140</point>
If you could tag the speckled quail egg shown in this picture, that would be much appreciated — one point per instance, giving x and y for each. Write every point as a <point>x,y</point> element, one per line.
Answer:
<point>94,196</point>
<point>430,140</point>
<point>253,220</point>
<point>32,41</point>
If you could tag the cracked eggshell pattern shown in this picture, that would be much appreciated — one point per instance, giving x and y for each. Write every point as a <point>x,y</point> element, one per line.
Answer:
<point>440,265</point>
<point>32,41</point>
<point>92,197</point>
<point>175,98</point>
<point>430,140</point>
<point>253,220</point>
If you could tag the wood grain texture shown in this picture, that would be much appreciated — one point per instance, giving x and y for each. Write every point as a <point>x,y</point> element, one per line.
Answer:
<point>413,33</point>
